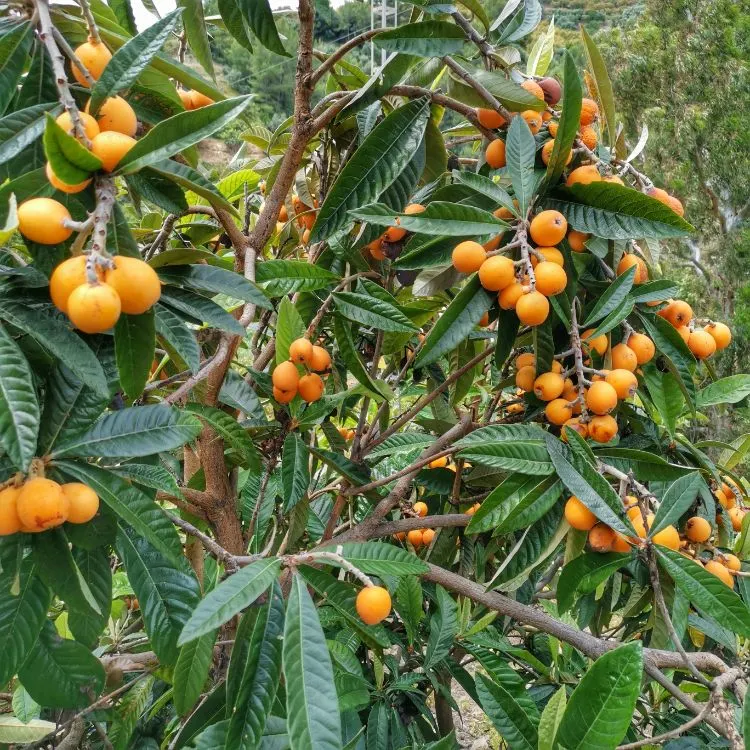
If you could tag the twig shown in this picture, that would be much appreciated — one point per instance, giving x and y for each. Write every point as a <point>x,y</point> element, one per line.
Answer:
<point>213,547</point>
<point>71,55</point>
<point>90,21</point>
<point>333,58</point>
<point>465,76</point>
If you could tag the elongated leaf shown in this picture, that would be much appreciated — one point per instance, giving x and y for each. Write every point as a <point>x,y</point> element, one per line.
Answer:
<point>372,312</point>
<point>440,218</point>
<point>135,339</point>
<point>260,19</point>
<point>616,212</point>
<point>455,323</point>
<point>180,131</point>
<point>20,129</point>
<point>19,407</point>
<point>550,719</point>
<point>168,593</point>
<point>588,486</point>
<point>281,277</point>
<point>190,179</point>
<point>520,151</point>
<point>233,434</point>
<point>374,166</point>
<point>94,568</point>
<point>706,591</point>
<point>423,39</point>
<point>295,473</point>
<point>254,671</point>
<point>509,93</point>
<point>585,573</point>
<point>60,673</point>
<point>443,628</point>
<point>600,709</point>
<point>14,49</point>
<point>136,431</point>
<point>205,278</point>
<point>612,297</point>
<point>13,730</point>
<point>377,727</point>
<point>401,442</point>
<point>23,611</point>
<point>233,16</point>
<point>130,504</point>
<point>604,92</point>
<point>680,495</point>
<point>191,671</point>
<point>485,186</point>
<point>514,715</point>
<point>52,334</point>
<point>314,722</point>
<point>201,308</point>
<point>728,390</point>
<point>71,161</point>
<point>231,596</point>
<point>177,335</point>
<point>517,448</point>
<point>348,352</point>
<point>132,58</point>
<point>541,53</point>
<point>379,559</point>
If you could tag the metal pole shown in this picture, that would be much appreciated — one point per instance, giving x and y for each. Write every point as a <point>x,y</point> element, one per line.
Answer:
<point>383,24</point>
<point>372,44</point>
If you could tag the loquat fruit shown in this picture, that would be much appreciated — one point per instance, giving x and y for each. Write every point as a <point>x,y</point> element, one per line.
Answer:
<point>735,516</point>
<point>642,346</point>
<point>701,344</point>
<point>83,502</point>
<point>577,240</point>
<point>697,529</point>
<point>468,256</point>
<point>525,378</point>
<point>620,543</point>
<point>320,359</point>
<point>310,387</point>
<point>720,571</point>
<point>732,562</point>
<point>66,277</point>
<point>420,509</point>
<point>63,187</point>
<point>598,343</point>
<point>42,220</point>
<point>285,376</point>
<point>533,88</point>
<point>549,254</point>
<point>532,308</point>
<point>439,463</point>
<point>558,411</point>
<point>721,334</point>
<point>602,428</point>
<point>578,515</point>
<point>508,297</point>
<point>551,278</point>
<point>427,536</point>
<point>574,424</point>
<point>533,119</point>
<point>624,358</point>
<point>676,205</point>
<point>284,397</point>
<point>93,308</point>
<point>548,228</point>
<point>41,504</point>
<point>301,351</point>
<point>601,398</point>
<point>548,386</point>
<point>94,56</point>
<point>490,119</point>
<point>525,359</point>
<point>589,111</point>
<point>198,100</point>
<point>629,260</point>
<point>495,154</point>
<point>10,523</point>
<point>90,125</point>
<point>187,102</point>
<point>373,604</point>
<point>111,148</point>
<point>623,381</point>
<point>677,312</point>
<point>136,283</point>
<point>601,538</point>
<point>668,537</point>
<point>684,332</point>
<point>414,537</point>
<point>117,115</point>
<point>584,175</point>
<point>552,90</point>
<point>588,137</point>
<point>496,273</point>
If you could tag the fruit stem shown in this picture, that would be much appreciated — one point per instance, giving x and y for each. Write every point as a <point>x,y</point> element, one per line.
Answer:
<point>525,253</point>
<point>36,468</point>
<point>575,343</point>
<point>345,564</point>
<point>90,21</point>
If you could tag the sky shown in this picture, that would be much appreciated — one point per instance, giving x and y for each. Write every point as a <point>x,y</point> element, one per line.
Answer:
<point>143,18</point>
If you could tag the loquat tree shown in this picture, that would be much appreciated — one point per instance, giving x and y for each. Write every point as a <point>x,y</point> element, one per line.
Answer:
<point>291,454</point>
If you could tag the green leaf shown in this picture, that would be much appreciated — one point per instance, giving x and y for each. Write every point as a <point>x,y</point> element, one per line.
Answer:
<point>15,46</point>
<point>515,504</point>
<point>443,628</point>
<point>135,339</point>
<point>679,496</point>
<point>191,671</point>
<point>289,326</point>
<point>24,600</point>
<point>612,297</point>
<point>520,152</point>
<point>585,573</point>
<point>70,160</point>
<point>591,488</point>
<point>455,323</point>
<point>190,179</point>
<point>93,566</point>
<point>600,709</point>
<point>604,92</point>
<point>372,312</point>
<point>19,407</point>
<point>729,390</point>
<point>440,218</point>
<point>295,472</point>
<point>517,448</point>
<point>178,336</point>
<point>255,671</point>
<point>24,706</point>
<point>350,355</point>
<point>60,673</point>
<point>485,186</point>
<point>260,19</point>
<point>509,93</point>
<point>423,39</point>
<point>58,569</point>
<point>13,730</point>
<point>551,718</point>
<point>706,591</point>
<point>282,277</point>
<point>200,308</point>
<point>21,129</point>
<point>541,54</point>
<point>55,336</point>
<point>134,431</point>
<point>377,727</point>
<point>616,212</point>
<point>130,504</point>
<point>194,24</point>
<point>180,131</point>
<point>130,708</point>
<point>380,559</point>
<point>231,596</point>
<point>232,13</point>
<point>230,430</point>
<point>374,166</point>
<point>168,593</point>
<point>130,60</point>
<point>401,442</point>
<point>514,715</point>
<point>205,278</point>
<point>313,719</point>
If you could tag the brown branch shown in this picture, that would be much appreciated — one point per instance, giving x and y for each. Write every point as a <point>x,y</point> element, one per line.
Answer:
<point>333,58</point>
<point>213,547</point>
<point>465,76</point>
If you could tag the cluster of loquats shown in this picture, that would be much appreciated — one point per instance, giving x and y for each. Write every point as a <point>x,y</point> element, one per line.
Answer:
<point>38,504</point>
<point>286,379</point>
<point>693,541</point>
<point>702,342</point>
<point>417,537</point>
<point>381,247</point>
<point>192,99</point>
<point>93,296</point>
<point>726,495</point>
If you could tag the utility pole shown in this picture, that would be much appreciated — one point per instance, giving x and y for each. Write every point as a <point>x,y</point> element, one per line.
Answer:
<point>387,12</point>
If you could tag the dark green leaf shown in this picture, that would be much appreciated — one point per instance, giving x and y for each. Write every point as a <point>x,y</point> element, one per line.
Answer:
<point>230,597</point>
<point>260,19</point>
<point>423,39</point>
<point>14,50</point>
<point>281,277</point>
<point>443,628</point>
<point>191,671</point>
<point>201,308</point>
<point>295,473</point>
<point>380,559</point>
<point>70,160</point>
<point>194,24</point>
<point>612,297</point>
<point>517,448</point>
<point>679,496</point>
<point>94,567</point>
<point>520,152</point>
<point>728,390</point>
<point>205,278</point>
<point>230,430</point>
<point>20,129</point>
<point>314,722</point>
<point>348,352</point>
<point>584,573</point>
<point>509,93</point>
<point>135,339</point>
<point>514,715</point>
<point>177,335</point>
<point>372,312</point>
<point>190,179</point>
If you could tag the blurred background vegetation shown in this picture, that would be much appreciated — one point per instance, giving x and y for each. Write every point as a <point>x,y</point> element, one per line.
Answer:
<point>679,67</point>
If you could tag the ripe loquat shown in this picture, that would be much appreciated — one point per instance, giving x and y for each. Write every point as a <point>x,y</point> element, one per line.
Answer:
<point>285,376</point>
<point>667,537</point>
<point>588,137</point>
<point>601,538</point>
<point>589,111</point>
<point>623,381</point>
<point>735,516</point>
<point>533,88</point>
<point>558,411</point>
<point>42,220</point>
<point>63,187</point>
<point>41,504</point>
<point>490,119</point>
<point>198,100</point>
<point>548,386</point>
<point>111,147</point>
<point>495,154</point>
<point>93,308</point>
<point>577,240</point>
<point>532,308</point>
<point>66,277</point>
<point>721,334</point>
<point>548,228</point>
<point>549,254</point>
<point>320,360</point>
<point>284,397</point>
<point>468,256</point>
<point>551,278</point>
<point>584,175</point>
<point>697,529</point>
<point>533,119</point>
<point>642,346</point>
<point>301,351</point>
<point>136,283</point>
<point>629,260</point>
<point>94,56</point>
<point>578,515</point>
<point>10,523</point>
<point>414,538</point>
<point>525,378</point>
<point>373,604</point>
<point>677,312</point>
<point>624,358</point>
<point>598,343</point>
<point>427,536</point>
<point>701,344</point>
<point>117,115</point>
<point>508,297</point>
<point>90,125</point>
<point>496,273</point>
<point>574,424</point>
<point>525,359</point>
<point>310,387</point>
<point>602,428</point>
<point>439,463</point>
<point>732,562</point>
<point>601,398</point>
<point>83,502</point>
<point>420,509</point>
<point>720,571</point>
